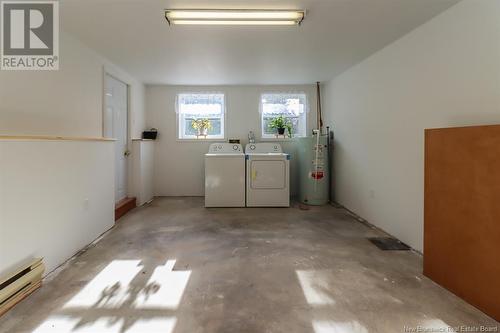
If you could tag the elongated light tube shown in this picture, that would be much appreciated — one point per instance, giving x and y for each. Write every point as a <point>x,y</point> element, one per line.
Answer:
<point>234,17</point>
<point>221,22</point>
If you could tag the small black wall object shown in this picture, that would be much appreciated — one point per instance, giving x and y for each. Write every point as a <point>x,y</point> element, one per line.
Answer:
<point>150,135</point>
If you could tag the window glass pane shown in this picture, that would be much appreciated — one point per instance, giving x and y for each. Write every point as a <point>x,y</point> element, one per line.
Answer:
<point>267,130</point>
<point>290,106</point>
<point>204,108</point>
<point>215,130</point>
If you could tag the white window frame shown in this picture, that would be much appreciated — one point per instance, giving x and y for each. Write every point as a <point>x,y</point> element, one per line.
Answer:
<point>304,123</point>
<point>180,123</point>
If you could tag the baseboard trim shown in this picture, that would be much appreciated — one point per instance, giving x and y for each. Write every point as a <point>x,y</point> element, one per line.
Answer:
<point>123,206</point>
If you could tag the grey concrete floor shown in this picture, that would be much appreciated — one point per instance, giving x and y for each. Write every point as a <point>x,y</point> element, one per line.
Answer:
<point>174,266</point>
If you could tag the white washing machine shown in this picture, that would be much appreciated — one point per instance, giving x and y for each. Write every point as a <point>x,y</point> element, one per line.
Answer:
<point>225,175</point>
<point>268,175</point>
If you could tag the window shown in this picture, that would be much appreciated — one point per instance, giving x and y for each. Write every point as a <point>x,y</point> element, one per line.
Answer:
<point>291,106</point>
<point>200,116</point>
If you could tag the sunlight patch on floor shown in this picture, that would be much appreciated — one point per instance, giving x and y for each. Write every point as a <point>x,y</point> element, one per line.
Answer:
<point>436,325</point>
<point>325,326</point>
<point>157,325</point>
<point>121,299</point>
<point>164,289</point>
<point>315,287</point>
<point>63,324</point>
<point>109,288</point>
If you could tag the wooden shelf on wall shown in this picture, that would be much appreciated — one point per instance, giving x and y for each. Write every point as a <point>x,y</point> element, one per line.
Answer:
<point>50,138</point>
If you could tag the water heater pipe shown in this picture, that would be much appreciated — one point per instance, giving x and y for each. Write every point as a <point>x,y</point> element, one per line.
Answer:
<point>329,170</point>
<point>316,158</point>
<point>318,108</point>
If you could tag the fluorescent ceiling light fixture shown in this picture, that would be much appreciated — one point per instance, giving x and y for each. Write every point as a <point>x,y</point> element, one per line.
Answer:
<point>234,17</point>
<point>202,22</point>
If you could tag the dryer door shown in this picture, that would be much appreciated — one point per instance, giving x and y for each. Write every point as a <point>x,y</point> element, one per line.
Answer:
<point>267,174</point>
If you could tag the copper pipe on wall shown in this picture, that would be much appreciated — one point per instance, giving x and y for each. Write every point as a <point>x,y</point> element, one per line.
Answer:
<point>318,109</point>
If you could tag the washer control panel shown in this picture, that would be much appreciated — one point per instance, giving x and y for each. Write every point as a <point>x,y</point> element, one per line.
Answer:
<point>225,148</point>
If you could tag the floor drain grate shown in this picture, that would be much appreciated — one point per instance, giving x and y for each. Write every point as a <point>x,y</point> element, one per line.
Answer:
<point>389,244</point>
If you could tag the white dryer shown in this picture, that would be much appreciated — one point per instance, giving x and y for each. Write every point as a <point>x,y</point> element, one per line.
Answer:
<point>225,175</point>
<point>268,175</point>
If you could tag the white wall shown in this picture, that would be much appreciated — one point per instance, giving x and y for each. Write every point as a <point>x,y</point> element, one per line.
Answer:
<point>55,198</point>
<point>179,165</point>
<point>445,73</point>
<point>142,169</point>
<point>42,196</point>
<point>67,102</point>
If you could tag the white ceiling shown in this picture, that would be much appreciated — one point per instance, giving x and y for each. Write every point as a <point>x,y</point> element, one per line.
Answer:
<point>335,35</point>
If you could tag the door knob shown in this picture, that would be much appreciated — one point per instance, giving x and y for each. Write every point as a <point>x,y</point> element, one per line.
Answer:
<point>126,153</point>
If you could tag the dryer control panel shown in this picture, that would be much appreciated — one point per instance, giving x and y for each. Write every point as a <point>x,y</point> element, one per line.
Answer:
<point>263,148</point>
<point>225,148</point>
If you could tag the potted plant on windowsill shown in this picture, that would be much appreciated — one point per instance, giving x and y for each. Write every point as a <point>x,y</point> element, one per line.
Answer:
<point>202,126</point>
<point>280,124</point>
<point>289,128</point>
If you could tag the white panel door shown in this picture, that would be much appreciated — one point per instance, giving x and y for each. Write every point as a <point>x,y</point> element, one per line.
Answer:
<point>116,126</point>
